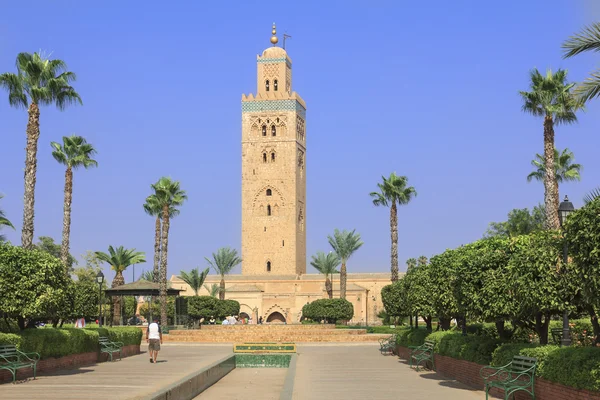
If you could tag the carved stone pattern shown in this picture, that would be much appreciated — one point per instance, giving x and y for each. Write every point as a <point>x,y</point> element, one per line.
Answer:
<point>273,105</point>
<point>263,191</point>
<point>301,159</point>
<point>288,79</point>
<point>270,71</point>
<point>300,129</point>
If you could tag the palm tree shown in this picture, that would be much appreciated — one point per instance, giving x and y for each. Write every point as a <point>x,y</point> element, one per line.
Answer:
<point>551,98</point>
<point>393,191</point>
<point>119,260</point>
<point>223,261</point>
<point>586,40</point>
<point>38,81</point>
<point>153,208</point>
<point>169,195</point>
<point>4,222</point>
<point>194,279</point>
<point>344,243</point>
<point>75,152</point>
<point>213,290</point>
<point>422,261</point>
<point>411,263</point>
<point>565,170</point>
<point>147,276</point>
<point>327,265</point>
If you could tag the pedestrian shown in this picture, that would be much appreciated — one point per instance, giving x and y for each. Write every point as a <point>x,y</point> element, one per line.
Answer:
<point>154,339</point>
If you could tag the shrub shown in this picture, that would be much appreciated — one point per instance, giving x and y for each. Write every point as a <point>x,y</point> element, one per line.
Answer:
<point>504,353</point>
<point>127,335</point>
<point>411,337</point>
<point>202,306</point>
<point>10,338</point>
<point>227,307</point>
<point>330,310</point>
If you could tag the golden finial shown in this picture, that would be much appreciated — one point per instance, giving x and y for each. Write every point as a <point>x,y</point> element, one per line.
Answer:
<point>274,39</point>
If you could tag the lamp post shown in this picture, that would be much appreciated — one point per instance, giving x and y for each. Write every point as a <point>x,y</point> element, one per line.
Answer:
<point>100,280</point>
<point>564,210</point>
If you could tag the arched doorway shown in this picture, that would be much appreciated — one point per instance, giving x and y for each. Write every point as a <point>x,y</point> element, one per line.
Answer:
<point>276,317</point>
<point>244,316</point>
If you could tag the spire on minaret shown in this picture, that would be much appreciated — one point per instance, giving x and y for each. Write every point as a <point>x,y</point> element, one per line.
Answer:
<point>274,39</point>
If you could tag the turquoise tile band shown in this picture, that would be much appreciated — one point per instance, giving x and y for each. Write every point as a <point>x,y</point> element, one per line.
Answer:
<point>274,61</point>
<point>273,105</point>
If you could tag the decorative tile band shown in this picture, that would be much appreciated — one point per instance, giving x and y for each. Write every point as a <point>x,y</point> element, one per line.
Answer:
<point>264,348</point>
<point>274,61</point>
<point>262,360</point>
<point>274,105</point>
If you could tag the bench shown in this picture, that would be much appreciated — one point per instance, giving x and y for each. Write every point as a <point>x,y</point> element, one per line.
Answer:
<point>557,335</point>
<point>422,354</point>
<point>108,347</point>
<point>387,345</point>
<point>12,360</point>
<point>518,375</point>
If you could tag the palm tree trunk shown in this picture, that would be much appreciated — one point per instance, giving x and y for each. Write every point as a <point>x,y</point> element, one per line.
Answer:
<point>118,281</point>
<point>329,287</point>
<point>550,184</point>
<point>64,249</point>
<point>222,289</point>
<point>394,232</point>
<point>163,267</point>
<point>156,271</point>
<point>343,281</point>
<point>33,135</point>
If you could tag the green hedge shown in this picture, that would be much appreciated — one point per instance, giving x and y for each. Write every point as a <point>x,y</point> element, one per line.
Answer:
<point>51,342</point>
<point>578,367</point>
<point>330,310</point>
<point>411,337</point>
<point>473,348</point>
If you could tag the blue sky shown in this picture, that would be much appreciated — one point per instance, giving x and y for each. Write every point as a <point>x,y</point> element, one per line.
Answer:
<point>425,89</point>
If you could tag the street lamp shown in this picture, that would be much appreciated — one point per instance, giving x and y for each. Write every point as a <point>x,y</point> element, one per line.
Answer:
<point>564,210</point>
<point>100,280</point>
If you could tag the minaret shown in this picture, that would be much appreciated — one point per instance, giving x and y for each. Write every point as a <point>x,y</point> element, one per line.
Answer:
<point>273,170</point>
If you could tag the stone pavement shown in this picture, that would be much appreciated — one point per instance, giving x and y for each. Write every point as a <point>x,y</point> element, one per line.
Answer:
<point>360,372</point>
<point>126,379</point>
<point>247,384</point>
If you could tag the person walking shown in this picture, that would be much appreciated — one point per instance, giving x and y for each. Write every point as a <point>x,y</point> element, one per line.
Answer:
<point>154,339</point>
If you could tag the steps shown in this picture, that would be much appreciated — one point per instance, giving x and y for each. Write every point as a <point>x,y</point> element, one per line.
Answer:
<point>270,333</point>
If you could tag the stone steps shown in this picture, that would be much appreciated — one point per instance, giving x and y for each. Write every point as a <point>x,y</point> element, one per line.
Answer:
<point>274,338</point>
<point>253,332</point>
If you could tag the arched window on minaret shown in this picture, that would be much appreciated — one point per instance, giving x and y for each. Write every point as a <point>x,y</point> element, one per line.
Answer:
<point>267,85</point>
<point>269,210</point>
<point>275,85</point>
<point>268,266</point>
<point>273,130</point>
<point>264,130</point>
<point>264,157</point>
<point>269,192</point>
<point>272,157</point>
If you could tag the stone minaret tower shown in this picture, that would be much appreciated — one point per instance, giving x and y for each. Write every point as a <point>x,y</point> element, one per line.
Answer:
<point>273,170</point>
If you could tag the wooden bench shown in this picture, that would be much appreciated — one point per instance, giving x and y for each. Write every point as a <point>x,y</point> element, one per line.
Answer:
<point>518,375</point>
<point>422,354</point>
<point>557,335</point>
<point>108,347</point>
<point>12,360</point>
<point>387,345</point>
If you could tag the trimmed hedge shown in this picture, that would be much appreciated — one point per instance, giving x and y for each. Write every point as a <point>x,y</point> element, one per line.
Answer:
<point>330,310</point>
<point>473,348</point>
<point>411,337</point>
<point>51,342</point>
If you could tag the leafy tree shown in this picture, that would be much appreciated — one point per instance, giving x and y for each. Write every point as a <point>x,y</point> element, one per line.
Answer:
<point>202,306</point>
<point>38,81</point>
<point>75,152</point>
<point>520,222</point>
<point>411,263</point>
<point>327,265</point>
<point>421,261</point>
<point>330,310</point>
<point>33,284</point>
<point>119,259</point>
<point>213,289</point>
<point>418,287</point>
<point>223,261</point>
<point>194,279</point>
<point>550,97</point>
<point>4,222</point>
<point>169,195</point>
<point>563,164</point>
<point>90,270</point>
<point>442,275</point>
<point>226,308</point>
<point>47,245</point>
<point>394,299</point>
<point>85,299</point>
<point>393,191</point>
<point>344,243</point>
<point>587,39</point>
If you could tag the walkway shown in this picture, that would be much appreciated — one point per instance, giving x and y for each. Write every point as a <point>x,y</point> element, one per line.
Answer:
<point>361,372</point>
<point>119,380</point>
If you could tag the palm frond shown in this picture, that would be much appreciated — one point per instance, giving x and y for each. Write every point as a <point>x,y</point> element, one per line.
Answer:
<point>589,88</point>
<point>194,278</point>
<point>121,258</point>
<point>224,260</point>
<point>586,40</point>
<point>345,243</point>
<point>594,194</point>
<point>326,264</point>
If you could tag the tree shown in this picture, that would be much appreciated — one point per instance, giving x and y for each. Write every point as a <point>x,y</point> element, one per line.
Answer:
<point>327,265</point>
<point>119,259</point>
<point>169,195</point>
<point>202,307</point>
<point>422,261</point>
<point>38,81</point>
<point>520,222</point>
<point>147,276</point>
<point>393,191</point>
<point>330,310</point>
<point>75,152</point>
<point>47,245</point>
<point>33,284</point>
<point>213,289</point>
<point>4,222</point>
<point>550,98</point>
<point>411,263</point>
<point>226,308</point>
<point>587,39</point>
<point>85,299</point>
<point>92,266</point>
<point>194,279</point>
<point>344,243</point>
<point>223,261</point>
<point>563,164</point>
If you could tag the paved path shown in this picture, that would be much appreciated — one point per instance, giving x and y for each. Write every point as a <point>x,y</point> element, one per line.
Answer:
<point>125,379</point>
<point>247,384</point>
<point>361,372</point>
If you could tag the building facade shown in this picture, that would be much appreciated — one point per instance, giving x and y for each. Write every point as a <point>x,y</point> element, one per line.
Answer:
<point>273,283</point>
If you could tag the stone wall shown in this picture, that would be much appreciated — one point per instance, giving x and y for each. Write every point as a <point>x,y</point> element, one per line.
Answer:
<point>67,362</point>
<point>467,372</point>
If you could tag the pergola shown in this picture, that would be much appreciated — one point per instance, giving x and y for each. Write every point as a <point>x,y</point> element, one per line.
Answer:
<point>141,288</point>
